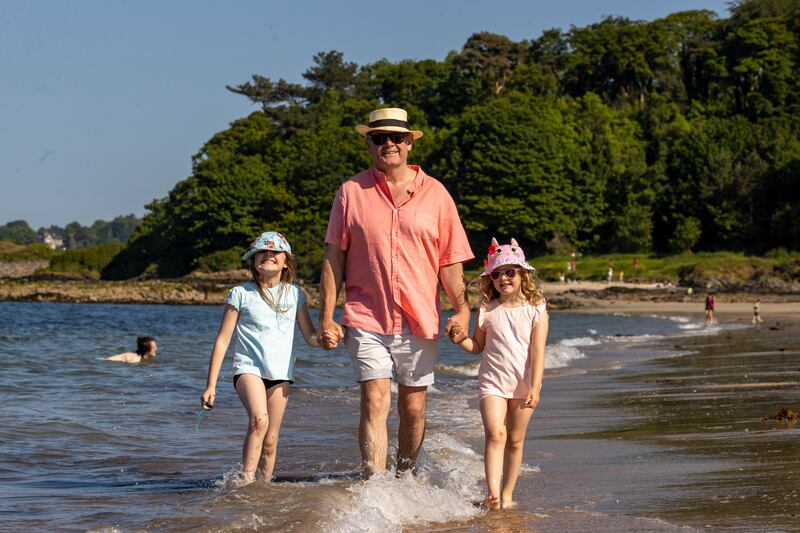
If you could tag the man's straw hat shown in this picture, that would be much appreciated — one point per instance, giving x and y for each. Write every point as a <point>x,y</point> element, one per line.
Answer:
<point>388,119</point>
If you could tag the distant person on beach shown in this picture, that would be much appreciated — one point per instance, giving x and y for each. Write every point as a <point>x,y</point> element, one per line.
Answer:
<point>622,276</point>
<point>511,330</point>
<point>710,304</point>
<point>146,350</point>
<point>757,312</point>
<point>394,233</point>
<point>262,313</point>
<point>562,278</point>
<point>610,274</point>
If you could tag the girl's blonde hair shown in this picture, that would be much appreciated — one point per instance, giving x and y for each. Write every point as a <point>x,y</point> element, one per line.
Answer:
<point>287,278</point>
<point>531,291</point>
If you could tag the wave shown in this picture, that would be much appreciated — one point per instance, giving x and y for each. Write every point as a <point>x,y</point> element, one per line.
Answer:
<point>449,479</point>
<point>580,341</point>
<point>466,369</point>
<point>560,355</point>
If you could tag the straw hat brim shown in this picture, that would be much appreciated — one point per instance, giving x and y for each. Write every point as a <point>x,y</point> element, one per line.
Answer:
<point>363,130</point>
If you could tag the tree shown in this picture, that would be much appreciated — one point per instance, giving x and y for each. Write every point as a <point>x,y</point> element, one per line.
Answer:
<point>686,235</point>
<point>18,231</point>
<point>330,73</point>
<point>516,167</point>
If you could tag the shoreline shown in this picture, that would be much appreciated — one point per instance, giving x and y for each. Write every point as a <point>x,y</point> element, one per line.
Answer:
<point>585,297</point>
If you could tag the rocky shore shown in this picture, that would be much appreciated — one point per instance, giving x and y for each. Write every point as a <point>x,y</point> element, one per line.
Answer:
<point>212,289</point>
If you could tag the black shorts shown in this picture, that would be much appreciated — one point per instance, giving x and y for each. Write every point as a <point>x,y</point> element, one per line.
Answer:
<point>268,383</point>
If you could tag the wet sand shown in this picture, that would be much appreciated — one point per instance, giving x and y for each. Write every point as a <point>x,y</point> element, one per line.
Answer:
<point>667,444</point>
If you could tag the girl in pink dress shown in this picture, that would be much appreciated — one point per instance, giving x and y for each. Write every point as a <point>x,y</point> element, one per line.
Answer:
<point>511,330</point>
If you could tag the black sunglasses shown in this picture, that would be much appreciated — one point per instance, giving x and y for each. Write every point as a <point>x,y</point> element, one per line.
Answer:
<point>379,139</point>
<point>509,272</point>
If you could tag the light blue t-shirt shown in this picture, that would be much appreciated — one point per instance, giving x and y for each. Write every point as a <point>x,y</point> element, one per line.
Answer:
<point>264,337</point>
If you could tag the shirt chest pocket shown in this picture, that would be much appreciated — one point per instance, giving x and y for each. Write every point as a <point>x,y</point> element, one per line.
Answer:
<point>426,226</point>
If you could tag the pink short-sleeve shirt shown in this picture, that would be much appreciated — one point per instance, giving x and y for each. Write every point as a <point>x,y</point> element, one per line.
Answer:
<point>394,252</point>
<point>505,369</point>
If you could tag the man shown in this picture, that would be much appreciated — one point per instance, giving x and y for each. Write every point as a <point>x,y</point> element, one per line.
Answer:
<point>146,349</point>
<point>395,232</point>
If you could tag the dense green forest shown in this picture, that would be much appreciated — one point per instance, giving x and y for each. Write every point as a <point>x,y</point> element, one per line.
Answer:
<point>74,235</point>
<point>622,136</point>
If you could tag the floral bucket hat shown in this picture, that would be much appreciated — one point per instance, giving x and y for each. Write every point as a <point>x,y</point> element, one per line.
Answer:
<point>269,240</point>
<point>506,254</point>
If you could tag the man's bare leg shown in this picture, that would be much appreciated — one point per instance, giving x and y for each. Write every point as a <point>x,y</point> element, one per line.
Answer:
<point>376,399</point>
<point>411,407</point>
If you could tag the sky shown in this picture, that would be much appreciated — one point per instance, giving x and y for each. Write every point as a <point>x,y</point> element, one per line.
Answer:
<point>104,102</point>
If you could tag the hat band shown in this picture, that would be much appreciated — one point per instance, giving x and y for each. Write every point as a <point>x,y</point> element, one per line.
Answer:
<point>389,122</point>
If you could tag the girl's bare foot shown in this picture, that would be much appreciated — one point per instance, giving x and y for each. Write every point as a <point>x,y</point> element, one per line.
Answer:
<point>491,503</point>
<point>509,504</point>
<point>243,479</point>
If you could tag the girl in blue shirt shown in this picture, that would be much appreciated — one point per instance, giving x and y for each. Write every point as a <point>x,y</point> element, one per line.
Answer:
<point>262,313</point>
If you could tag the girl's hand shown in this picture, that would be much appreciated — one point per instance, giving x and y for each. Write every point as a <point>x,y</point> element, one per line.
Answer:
<point>455,332</point>
<point>533,398</point>
<point>329,339</point>
<point>207,398</point>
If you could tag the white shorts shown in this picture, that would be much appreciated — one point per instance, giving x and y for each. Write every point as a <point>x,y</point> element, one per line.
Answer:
<point>376,355</point>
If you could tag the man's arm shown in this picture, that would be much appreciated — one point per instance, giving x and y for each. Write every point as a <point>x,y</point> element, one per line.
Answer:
<point>330,285</point>
<point>452,277</point>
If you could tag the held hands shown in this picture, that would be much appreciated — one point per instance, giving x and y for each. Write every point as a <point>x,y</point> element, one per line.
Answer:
<point>456,328</point>
<point>331,335</point>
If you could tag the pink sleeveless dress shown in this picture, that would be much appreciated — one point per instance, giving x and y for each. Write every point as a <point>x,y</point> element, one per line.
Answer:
<point>505,369</point>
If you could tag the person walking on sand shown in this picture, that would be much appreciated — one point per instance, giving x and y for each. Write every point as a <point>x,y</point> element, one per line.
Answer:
<point>395,233</point>
<point>146,350</point>
<point>710,304</point>
<point>757,312</point>
<point>511,331</point>
<point>262,313</point>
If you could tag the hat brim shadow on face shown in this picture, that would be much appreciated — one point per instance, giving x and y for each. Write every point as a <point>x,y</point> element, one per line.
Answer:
<point>250,253</point>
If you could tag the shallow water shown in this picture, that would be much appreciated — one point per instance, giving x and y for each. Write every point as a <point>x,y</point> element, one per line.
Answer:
<point>87,444</point>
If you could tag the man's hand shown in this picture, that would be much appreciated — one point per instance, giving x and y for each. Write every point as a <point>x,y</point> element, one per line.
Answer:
<point>457,327</point>
<point>331,334</point>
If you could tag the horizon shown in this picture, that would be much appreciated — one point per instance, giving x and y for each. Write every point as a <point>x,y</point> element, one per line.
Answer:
<point>111,101</point>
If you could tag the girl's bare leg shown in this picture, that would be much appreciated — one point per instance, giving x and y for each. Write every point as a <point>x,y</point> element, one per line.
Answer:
<point>277,397</point>
<point>254,399</point>
<point>493,413</point>
<point>517,419</point>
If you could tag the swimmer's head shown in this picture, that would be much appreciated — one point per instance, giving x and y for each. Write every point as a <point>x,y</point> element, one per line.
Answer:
<point>146,346</point>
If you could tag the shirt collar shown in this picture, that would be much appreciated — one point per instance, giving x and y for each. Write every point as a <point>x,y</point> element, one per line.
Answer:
<point>416,185</point>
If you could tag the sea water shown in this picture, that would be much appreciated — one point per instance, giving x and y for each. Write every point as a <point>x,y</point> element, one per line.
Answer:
<point>90,444</point>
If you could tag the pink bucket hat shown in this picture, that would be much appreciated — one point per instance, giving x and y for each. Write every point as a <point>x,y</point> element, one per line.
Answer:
<point>507,254</point>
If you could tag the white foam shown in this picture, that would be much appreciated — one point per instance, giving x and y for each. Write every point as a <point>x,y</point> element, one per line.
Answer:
<point>450,476</point>
<point>690,326</point>
<point>469,369</point>
<point>634,338</point>
<point>580,341</point>
<point>560,355</point>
